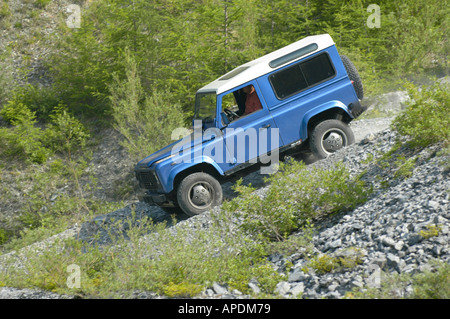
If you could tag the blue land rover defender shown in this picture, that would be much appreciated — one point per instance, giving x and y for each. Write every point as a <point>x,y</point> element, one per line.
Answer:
<point>302,94</point>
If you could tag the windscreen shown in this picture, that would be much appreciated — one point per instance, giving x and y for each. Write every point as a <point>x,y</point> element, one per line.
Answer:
<point>205,107</point>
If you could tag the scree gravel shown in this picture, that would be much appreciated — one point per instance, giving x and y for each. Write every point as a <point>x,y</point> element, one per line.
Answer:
<point>384,232</point>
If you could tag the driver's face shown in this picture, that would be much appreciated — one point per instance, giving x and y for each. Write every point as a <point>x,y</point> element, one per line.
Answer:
<point>247,89</point>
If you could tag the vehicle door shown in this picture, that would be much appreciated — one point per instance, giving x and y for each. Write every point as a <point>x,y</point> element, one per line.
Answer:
<point>249,136</point>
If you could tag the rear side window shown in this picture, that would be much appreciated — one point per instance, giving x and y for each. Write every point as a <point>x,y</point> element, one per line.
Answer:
<point>301,76</point>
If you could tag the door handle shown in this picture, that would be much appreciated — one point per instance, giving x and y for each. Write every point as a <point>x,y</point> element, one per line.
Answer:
<point>265,126</point>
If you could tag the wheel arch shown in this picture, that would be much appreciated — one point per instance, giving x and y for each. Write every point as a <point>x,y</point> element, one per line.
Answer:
<point>201,167</point>
<point>331,111</point>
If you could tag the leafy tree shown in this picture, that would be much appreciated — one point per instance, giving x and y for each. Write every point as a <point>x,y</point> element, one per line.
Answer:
<point>182,45</point>
<point>145,120</point>
<point>88,56</point>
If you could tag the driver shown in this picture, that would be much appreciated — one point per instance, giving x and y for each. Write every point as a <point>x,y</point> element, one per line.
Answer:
<point>252,102</point>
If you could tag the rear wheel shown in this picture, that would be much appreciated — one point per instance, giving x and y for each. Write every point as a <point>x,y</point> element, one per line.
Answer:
<point>198,193</point>
<point>330,136</point>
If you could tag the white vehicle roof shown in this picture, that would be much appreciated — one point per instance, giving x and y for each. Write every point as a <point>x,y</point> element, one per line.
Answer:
<point>268,63</point>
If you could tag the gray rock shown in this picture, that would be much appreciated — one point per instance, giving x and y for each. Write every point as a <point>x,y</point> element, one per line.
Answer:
<point>393,261</point>
<point>414,239</point>
<point>282,288</point>
<point>296,275</point>
<point>333,287</point>
<point>297,289</point>
<point>387,241</point>
<point>433,205</point>
<point>380,261</point>
<point>368,138</point>
<point>219,289</point>
<point>358,282</point>
<point>253,285</point>
<point>399,245</point>
<point>334,244</point>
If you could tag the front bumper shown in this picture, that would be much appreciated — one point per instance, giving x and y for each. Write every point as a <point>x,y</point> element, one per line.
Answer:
<point>154,199</point>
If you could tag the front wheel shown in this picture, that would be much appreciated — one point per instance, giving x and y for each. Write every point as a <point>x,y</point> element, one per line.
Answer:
<point>330,136</point>
<point>198,193</point>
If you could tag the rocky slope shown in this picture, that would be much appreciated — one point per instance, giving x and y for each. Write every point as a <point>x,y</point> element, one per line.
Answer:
<point>386,235</point>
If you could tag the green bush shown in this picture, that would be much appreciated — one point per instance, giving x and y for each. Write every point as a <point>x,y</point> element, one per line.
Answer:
<point>27,141</point>
<point>4,236</point>
<point>183,290</point>
<point>348,258</point>
<point>404,166</point>
<point>173,261</point>
<point>426,119</point>
<point>17,112</point>
<point>296,195</point>
<point>432,231</point>
<point>40,100</point>
<point>65,133</point>
<point>24,140</point>
<point>4,9</point>
<point>324,264</point>
<point>42,3</point>
<point>433,284</point>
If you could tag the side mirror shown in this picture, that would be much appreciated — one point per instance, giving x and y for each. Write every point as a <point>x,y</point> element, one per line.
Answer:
<point>225,119</point>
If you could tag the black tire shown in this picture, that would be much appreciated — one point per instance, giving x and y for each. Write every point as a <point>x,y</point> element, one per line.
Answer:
<point>198,193</point>
<point>354,76</point>
<point>329,136</point>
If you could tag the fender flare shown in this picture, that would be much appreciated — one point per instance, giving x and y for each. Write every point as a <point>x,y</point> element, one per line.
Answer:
<point>200,161</point>
<point>320,109</point>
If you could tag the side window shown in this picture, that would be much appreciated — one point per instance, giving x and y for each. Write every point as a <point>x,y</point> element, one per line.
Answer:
<point>230,105</point>
<point>317,69</point>
<point>229,102</point>
<point>288,81</point>
<point>300,76</point>
<point>241,102</point>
